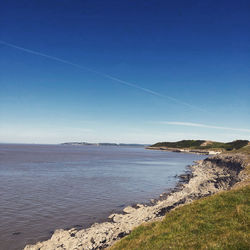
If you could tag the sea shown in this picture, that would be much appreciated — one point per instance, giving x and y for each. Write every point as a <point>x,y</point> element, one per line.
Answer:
<point>47,187</point>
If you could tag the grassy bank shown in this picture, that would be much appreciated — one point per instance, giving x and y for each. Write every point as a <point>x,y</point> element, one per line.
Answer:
<point>221,221</point>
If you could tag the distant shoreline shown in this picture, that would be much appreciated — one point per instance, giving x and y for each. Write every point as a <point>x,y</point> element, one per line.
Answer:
<point>186,150</point>
<point>104,144</point>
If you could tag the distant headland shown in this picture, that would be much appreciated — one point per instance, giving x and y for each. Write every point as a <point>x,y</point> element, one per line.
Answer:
<point>199,146</point>
<point>104,144</point>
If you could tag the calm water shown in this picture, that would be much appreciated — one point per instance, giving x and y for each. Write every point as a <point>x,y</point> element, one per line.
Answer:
<point>44,187</point>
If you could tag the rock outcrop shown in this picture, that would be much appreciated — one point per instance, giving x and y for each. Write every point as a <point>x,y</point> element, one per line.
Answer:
<point>207,177</point>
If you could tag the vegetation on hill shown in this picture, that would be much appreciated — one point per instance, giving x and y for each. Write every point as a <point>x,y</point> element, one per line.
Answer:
<point>201,144</point>
<point>180,144</point>
<point>245,150</point>
<point>229,145</point>
<point>221,221</point>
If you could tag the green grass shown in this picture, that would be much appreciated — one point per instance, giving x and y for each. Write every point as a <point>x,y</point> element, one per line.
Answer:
<point>197,144</point>
<point>229,145</point>
<point>180,144</point>
<point>216,222</point>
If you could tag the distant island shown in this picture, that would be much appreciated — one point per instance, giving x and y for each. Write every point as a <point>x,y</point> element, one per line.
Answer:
<point>104,144</point>
<point>199,146</point>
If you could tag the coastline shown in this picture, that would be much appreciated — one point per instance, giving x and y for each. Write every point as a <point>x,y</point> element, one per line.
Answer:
<point>206,177</point>
<point>186,150</point>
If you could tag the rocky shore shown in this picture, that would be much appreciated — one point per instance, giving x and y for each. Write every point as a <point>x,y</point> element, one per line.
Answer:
<point>206,177</point>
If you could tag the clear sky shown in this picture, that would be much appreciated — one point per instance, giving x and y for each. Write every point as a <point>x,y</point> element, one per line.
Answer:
<point>124,71</point>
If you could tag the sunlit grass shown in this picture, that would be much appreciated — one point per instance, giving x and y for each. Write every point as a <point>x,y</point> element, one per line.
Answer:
<point>217,222</point>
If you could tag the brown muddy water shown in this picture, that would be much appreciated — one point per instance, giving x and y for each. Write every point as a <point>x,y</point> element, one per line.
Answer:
<point>46,187</point>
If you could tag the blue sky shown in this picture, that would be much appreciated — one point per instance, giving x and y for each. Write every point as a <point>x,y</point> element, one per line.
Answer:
<point>124,71</point>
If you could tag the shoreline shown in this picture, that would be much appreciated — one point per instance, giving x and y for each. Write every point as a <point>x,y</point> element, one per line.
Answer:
<point>206,177</point>
<point>186,150</point>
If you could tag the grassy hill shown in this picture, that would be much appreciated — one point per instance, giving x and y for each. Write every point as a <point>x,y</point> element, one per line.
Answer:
<point>221,221</point>
<point>202,144</point>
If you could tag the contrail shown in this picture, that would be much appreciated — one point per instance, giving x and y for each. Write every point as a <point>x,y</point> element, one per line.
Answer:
<point>149,91</point>
<point>200,125</point>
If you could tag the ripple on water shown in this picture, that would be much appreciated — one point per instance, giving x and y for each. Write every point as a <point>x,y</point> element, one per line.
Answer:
<point>45,187</point>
